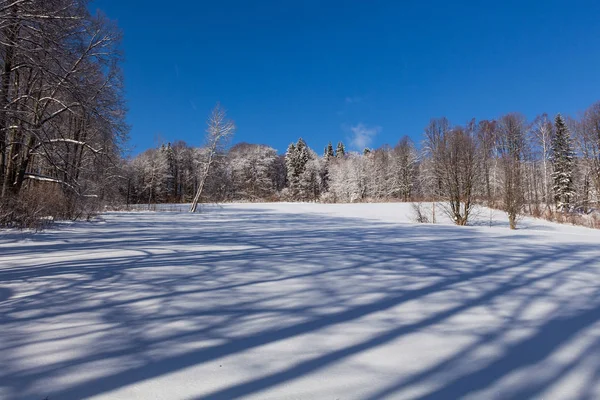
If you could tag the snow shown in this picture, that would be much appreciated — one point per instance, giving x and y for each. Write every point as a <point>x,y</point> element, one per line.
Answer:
<point>299,301</point>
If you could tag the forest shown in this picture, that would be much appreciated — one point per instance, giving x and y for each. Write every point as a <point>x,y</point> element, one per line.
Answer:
<point>63,137</point>
<point>62,111</point>
<point>546,167</point>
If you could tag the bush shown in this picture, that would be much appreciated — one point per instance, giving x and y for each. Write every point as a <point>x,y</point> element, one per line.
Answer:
<point>37,206</point>
<point>420,214</point>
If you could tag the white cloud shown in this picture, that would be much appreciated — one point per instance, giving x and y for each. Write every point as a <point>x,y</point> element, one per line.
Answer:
<point>362,135</point>
<point>353,99</point>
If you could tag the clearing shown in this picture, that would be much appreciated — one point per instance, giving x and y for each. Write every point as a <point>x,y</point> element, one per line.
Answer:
<point>299,301</point>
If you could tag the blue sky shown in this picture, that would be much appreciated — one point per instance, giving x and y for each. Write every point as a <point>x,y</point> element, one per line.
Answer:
<point>364,72</point>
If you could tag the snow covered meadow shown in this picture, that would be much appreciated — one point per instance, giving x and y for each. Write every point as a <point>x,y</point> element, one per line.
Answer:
<point>299,301</point>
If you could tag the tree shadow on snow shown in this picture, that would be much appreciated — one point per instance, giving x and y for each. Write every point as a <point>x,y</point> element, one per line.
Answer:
<point>134,293</point>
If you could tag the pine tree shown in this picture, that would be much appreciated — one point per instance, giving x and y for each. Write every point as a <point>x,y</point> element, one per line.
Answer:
<point>172,169</point>
<point>328,151</point>
<point>296,159</point>
<point>303,155</point>
<point>291,167</point>
<point>324,173</point>
<point>563,159</point>
<point>310,181</point>
<point>340,152</point>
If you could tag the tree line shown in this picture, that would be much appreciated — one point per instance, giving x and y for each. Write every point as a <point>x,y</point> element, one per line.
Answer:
<point>61,110</point>
<point>544,166</point>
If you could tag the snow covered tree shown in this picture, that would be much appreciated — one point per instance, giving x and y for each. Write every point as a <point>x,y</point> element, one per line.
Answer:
<point>310,178</point>
<point>252,171</point>
<point>587,134</point>
<point>151,170</point>
<point>303,154</point>
<point>296,158</point>
<point>279,173</point>
<point>542,142</point>
<point>303,171</point>
<point>404,168</point>
<point>328,156</point>
<point>171,177</point>
<point>219,130</point>
<point>339,181</point>
<point>328,151</point>
<point>349,178</point>
<point>62,115</point>
<point>186,175</point>
<point>340,151</point>
<point>219,184</point>
<point>380,173</point>
<point>588,137</point>
<point>291,166</point>
<point>563,158</point>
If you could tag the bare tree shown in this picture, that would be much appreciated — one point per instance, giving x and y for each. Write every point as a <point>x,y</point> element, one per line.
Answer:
<point>61,104</point>
<point>219,131</point>
<point>404,165</point>
<point>381,173</point>
<point>542,133</point>
<point>510,147</point>
<point>588,139</point>
<point>453,153</point>
<point>486,131</point>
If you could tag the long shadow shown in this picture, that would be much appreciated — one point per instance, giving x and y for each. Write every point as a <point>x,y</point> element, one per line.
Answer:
<point>318,363</point>
<point>222,263</point>
<point>528,352</point>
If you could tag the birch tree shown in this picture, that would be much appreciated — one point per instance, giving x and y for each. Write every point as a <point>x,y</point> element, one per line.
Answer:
<point>542,139</point>
<point>219,131</point>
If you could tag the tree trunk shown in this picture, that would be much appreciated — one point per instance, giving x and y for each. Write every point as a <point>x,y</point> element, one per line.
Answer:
<point>11,35</point>
<point>512,221</point>
<point>201,185</point>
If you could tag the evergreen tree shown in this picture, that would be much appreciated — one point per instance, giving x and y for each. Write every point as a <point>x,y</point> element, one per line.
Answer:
<point>310,180</point>
<point>324,173</point>
<point>303,156</point>
<point>340,152</point>
<point>171,170</point>
<point>296,159</point>
<point>328,151</point>
<point>563,159</point>
<point>291,167</point>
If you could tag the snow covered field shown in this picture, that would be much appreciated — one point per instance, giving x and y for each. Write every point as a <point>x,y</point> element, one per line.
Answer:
<point>299,301</point>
